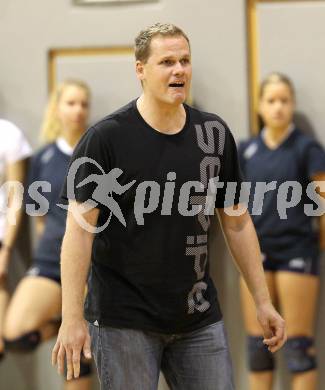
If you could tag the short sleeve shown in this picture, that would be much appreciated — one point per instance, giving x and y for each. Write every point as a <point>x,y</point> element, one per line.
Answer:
<point>90,160</point>
<point>18,147</point>
<point>315,159</point>
<point>230,175</point>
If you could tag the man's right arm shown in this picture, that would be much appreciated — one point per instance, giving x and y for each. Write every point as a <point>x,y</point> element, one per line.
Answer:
<point>73,337</point>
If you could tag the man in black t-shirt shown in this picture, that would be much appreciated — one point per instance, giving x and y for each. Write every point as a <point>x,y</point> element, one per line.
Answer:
<point>142,185</point>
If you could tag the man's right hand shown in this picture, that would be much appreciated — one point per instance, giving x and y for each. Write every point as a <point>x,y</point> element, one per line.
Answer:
<point>73,339</point>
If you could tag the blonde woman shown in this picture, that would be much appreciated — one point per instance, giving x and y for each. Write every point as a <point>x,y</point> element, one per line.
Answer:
<point>36,304</point>
<point>14,151</point>
<point>284,155</point>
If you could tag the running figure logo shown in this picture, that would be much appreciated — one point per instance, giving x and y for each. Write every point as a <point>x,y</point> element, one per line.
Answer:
<point>107,185</point>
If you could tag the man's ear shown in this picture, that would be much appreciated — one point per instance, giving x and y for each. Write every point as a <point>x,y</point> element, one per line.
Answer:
<point>139,69</point>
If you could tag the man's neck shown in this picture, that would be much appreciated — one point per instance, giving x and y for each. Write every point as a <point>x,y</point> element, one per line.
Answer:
<point>164,118</point>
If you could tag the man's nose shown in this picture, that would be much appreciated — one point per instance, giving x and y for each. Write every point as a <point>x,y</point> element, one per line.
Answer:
<point>178,68</point>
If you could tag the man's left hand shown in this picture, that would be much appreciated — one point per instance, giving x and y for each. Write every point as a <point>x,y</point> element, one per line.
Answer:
<point>273,326</point>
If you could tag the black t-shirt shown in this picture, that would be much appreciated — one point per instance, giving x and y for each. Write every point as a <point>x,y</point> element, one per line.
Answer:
<point>150,270</point>
<point>297,159</point>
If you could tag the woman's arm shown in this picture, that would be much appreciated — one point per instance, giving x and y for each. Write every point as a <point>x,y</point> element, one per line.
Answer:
<point>39,225</point>
<point>320,177</point>
<point>15,172</point>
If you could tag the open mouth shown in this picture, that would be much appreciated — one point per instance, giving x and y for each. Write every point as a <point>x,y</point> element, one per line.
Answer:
<point>177,85</point>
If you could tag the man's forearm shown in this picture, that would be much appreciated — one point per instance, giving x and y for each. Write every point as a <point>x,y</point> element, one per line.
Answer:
<point>244,247</point>
<point>75,261</point>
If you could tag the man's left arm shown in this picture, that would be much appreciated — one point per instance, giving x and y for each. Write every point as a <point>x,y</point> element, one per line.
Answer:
<point>243,244</point>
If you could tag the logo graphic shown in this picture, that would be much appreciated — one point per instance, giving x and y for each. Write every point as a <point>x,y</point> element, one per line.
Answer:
<point>107,185</point>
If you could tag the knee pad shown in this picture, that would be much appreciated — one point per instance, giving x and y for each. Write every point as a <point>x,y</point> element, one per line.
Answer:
<point>259,357</point>
<point>25,343</point>
<point>85,368</point>
<point>298,354</point>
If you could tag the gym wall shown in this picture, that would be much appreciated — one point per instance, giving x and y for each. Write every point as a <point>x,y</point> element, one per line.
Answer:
<point>44,42</point>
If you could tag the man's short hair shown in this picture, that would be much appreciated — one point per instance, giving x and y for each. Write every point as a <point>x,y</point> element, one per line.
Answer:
<point>144,38</point>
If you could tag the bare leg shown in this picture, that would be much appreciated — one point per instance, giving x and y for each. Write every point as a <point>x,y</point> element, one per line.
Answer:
<point>298,295</point>
<point>257,380</point>
<point>34,305</point>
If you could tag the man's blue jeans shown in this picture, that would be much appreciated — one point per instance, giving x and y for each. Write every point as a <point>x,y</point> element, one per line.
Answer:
<point>129,359</point>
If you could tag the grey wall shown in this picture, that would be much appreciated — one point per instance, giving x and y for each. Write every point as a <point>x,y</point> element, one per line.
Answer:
<point>217,32</point>
<point>28,32</point>
<point>291,40</point>
<point>296,47</point>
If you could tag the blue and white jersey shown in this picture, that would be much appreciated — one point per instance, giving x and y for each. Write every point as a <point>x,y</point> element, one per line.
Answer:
<point>50,164</point>
<point>298,158</point>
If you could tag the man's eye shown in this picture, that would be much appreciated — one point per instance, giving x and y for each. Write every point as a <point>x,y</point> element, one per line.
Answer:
<point>185,61</point>
<point>168,62</point>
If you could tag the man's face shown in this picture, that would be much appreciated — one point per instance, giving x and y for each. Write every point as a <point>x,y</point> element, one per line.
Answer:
<point>166,76</point>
